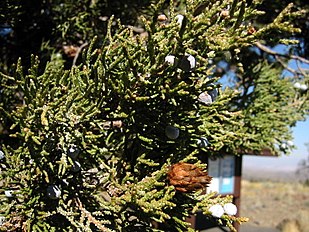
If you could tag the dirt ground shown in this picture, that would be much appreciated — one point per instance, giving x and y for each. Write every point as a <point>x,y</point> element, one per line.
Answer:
<point>269,203</point>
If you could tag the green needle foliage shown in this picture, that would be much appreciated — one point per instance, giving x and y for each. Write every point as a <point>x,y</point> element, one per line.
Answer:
<point>90,146</point>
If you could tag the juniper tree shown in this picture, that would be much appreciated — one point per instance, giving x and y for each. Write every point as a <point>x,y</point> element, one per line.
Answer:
<point>114,143</point>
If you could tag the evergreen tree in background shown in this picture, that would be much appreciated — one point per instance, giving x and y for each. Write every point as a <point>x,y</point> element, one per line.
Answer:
<point>110,133</point>
<point>303,169</point>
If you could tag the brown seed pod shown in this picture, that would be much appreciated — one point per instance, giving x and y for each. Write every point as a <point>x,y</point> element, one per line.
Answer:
<point>188,177</point>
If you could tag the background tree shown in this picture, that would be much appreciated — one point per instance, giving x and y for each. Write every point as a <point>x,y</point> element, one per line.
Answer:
<point>303,169</point>
<point>52,25</point>
<point>110,133</point>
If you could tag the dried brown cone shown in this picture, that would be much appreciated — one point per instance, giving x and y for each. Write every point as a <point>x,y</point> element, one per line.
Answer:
<point>188,177</point>
<point>70,50</point>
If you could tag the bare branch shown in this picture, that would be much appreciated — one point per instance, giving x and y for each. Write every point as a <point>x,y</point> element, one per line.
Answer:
<point>279,56</point>
<point>87,214</point>
<point>272,52</point>
<point>78,52</point>
<point>303,71</point>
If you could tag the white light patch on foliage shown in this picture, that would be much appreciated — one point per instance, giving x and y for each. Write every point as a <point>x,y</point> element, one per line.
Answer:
<point>290,143</point>
<point>187,63</point>
<point>216,210</point>
<point>192,61</point>
<point>300,86</point>
<point>230,209</point>
<point>303,87</point>
<point>73,152</point>
<point>2,220</point>
<point>203,142</point>
<point>2,156</point>
<point>76,167</point>
<point>179,19</point>
<point>170,59</point>
<point>9,193</point>
<point>205,98</point>
<point>53,192</point>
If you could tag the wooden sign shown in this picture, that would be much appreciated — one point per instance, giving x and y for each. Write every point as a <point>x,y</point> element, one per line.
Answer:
<point>222,171</point>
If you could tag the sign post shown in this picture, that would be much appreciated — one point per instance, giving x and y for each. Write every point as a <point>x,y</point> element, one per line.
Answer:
<point>226,174</point>
<point>223,175</point>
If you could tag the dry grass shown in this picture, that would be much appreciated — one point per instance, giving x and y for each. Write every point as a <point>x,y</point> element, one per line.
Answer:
<point>269,203</point>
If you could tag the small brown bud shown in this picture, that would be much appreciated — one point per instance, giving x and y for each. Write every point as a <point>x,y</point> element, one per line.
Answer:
<point>225,13</point>
<point>70,50</point>
<point>188,177</point>
<point>162,18</point>
<point>251,30</point>
<point>117,124</point>
<point>112,124</point>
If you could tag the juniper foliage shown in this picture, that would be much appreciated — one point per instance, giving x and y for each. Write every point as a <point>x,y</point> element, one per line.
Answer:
<point>92,145</point>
